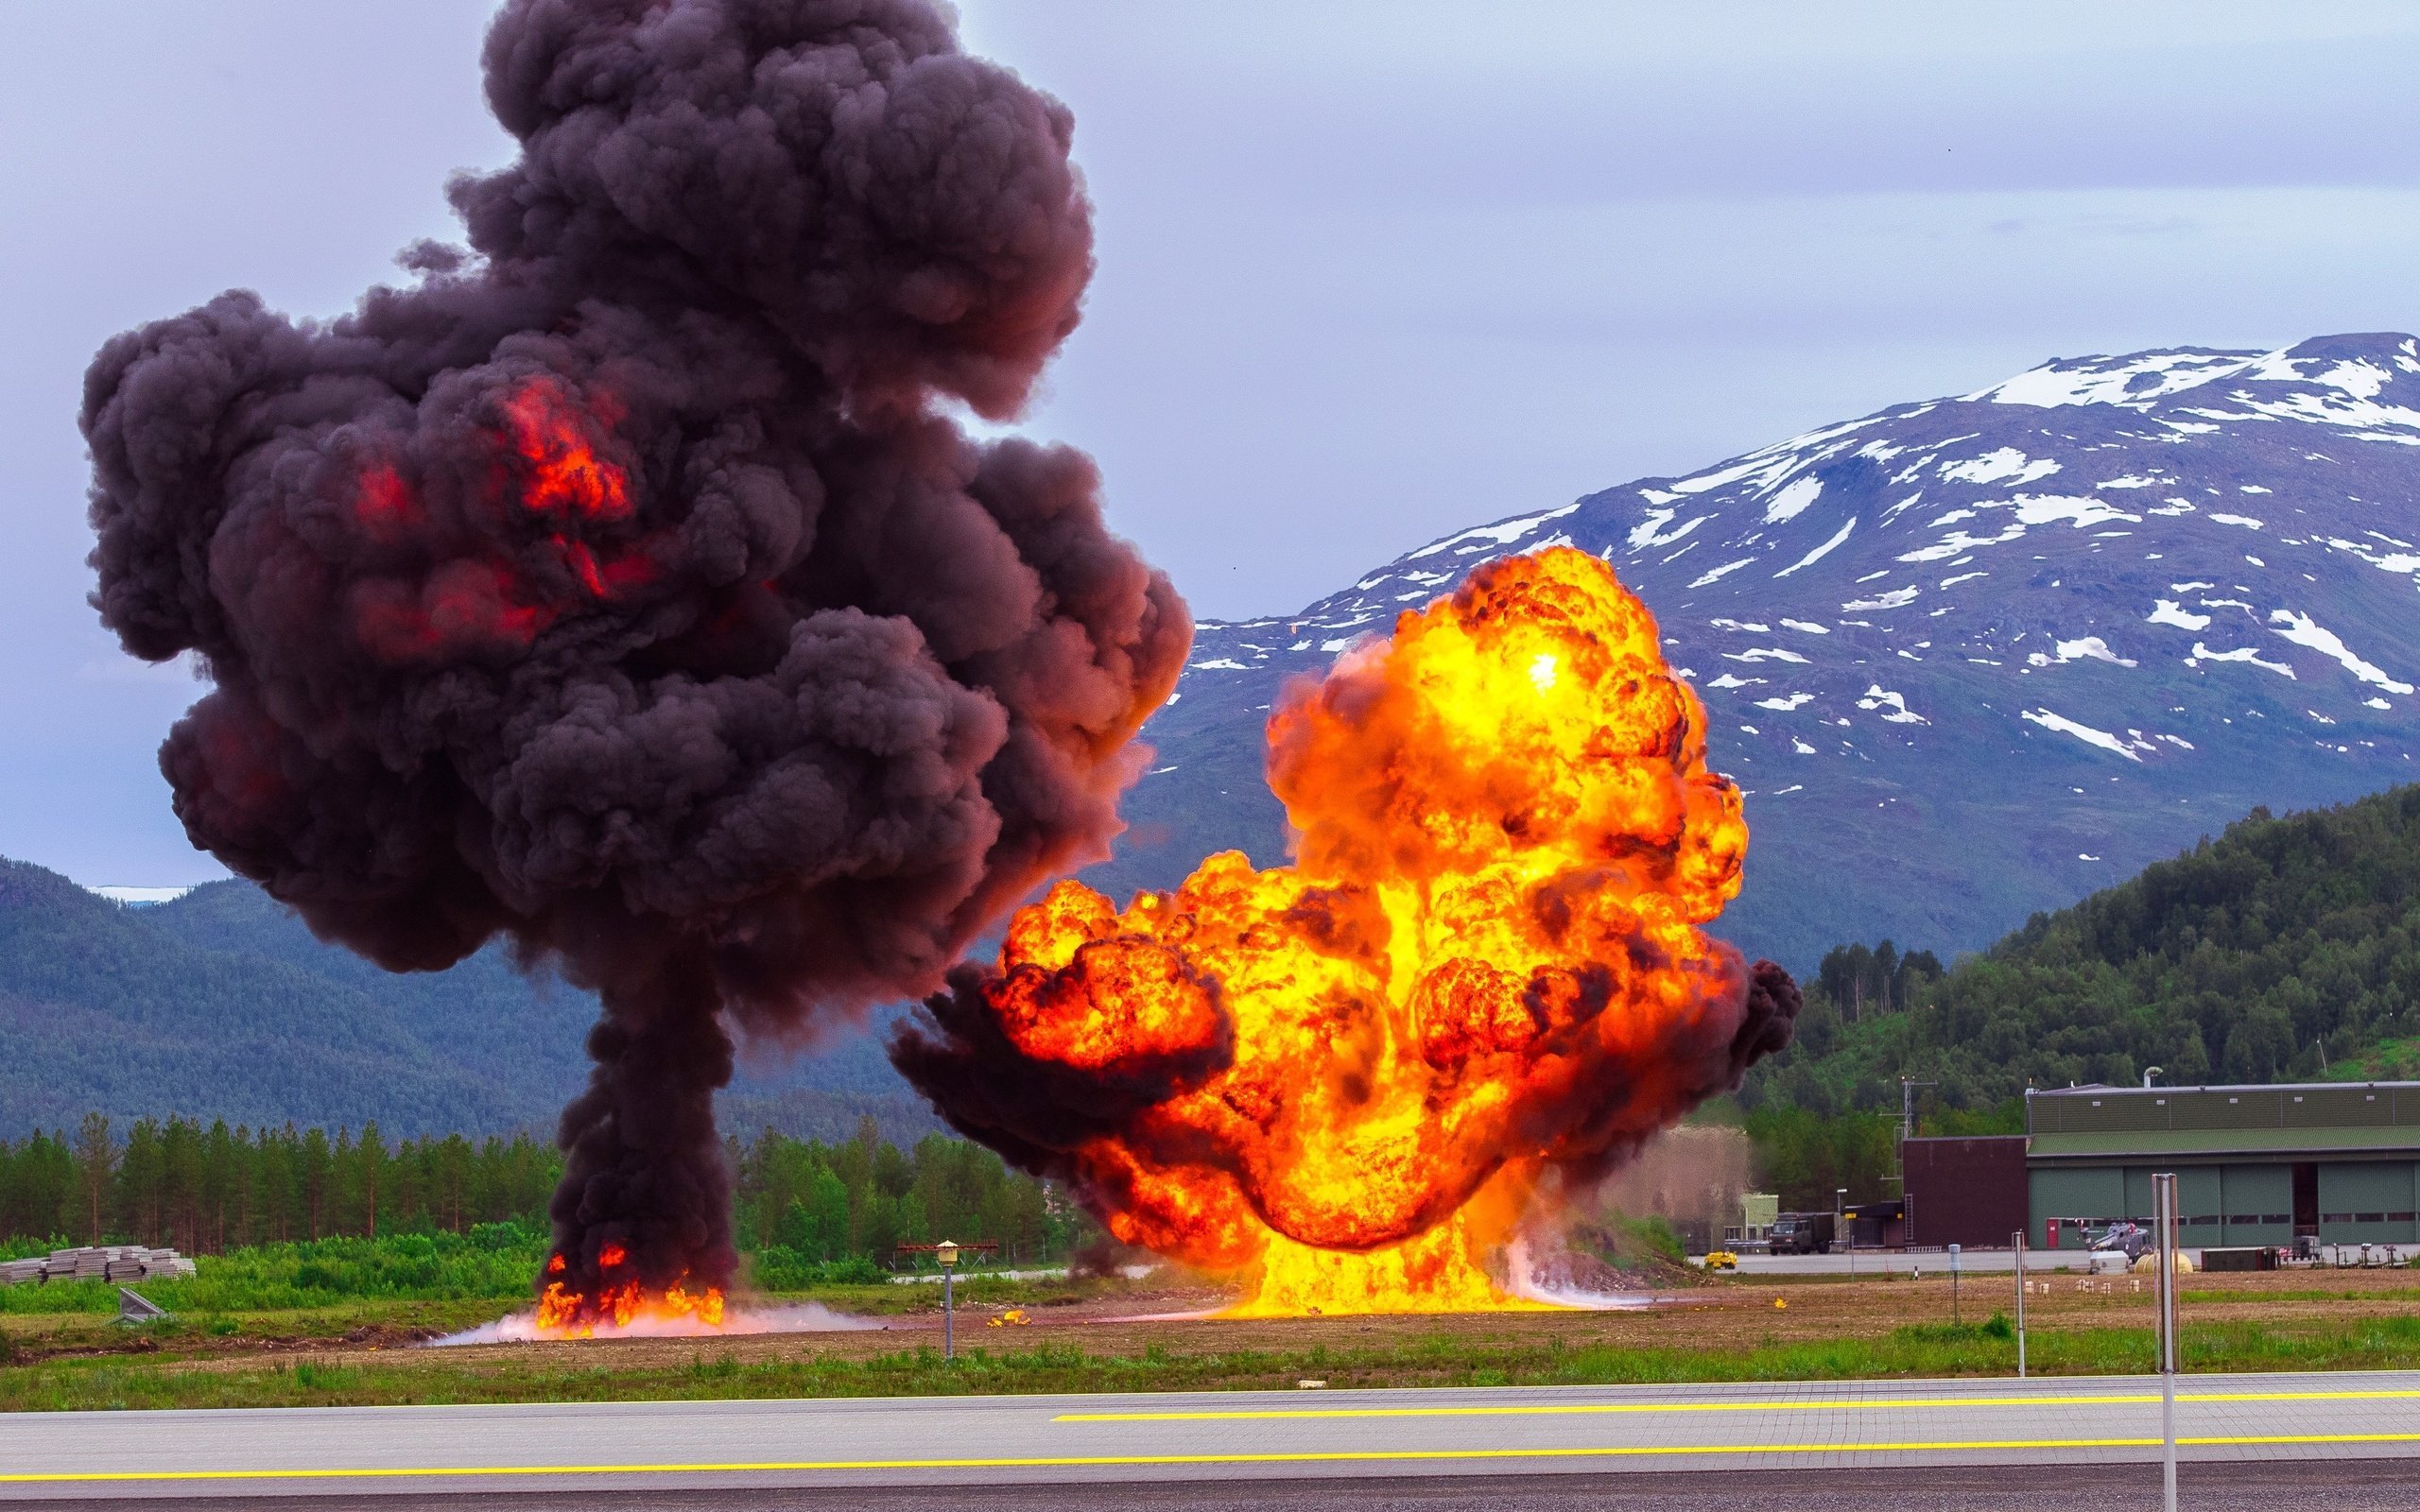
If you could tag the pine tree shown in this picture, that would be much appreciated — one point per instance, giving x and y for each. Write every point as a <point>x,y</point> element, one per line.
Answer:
<point>96,1160</point>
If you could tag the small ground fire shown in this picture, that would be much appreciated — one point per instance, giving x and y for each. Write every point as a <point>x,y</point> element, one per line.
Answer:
<point>620,1303</point>
<point>1350,1081</point>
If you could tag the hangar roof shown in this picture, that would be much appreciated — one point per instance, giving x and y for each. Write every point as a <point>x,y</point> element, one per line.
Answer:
<point>2312,1116</point>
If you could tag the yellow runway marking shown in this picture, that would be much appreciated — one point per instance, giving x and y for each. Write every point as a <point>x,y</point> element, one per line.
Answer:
<point>1179,1461</point>
<point>1591,1408</point>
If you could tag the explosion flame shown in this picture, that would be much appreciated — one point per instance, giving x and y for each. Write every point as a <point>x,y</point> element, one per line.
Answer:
<point>1350,1079</point>
<point>619,1303</point>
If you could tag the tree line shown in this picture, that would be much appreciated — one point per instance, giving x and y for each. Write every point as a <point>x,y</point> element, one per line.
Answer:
<point>206,1190</point>
<point>212,1189</point>
<point>1806,1157</point>
<point>808,1202</point>
<point>2287,949</point>
<point>1856,982</point>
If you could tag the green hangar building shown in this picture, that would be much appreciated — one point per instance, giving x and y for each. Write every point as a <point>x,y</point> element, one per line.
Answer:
<point>2338,1163</point>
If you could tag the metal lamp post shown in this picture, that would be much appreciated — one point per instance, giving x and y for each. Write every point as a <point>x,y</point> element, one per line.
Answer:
<point>946,1253</point>
<point>2164,1200</point>
<point>2016,1241</point>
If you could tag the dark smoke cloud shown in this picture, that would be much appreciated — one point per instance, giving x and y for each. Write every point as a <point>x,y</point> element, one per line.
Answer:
<point>1033,1110</point>
<point>617,585</point>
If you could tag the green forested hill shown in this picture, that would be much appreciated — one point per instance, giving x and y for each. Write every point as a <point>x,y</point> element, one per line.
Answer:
<point>222,1004</point>
<point>2285,948</point>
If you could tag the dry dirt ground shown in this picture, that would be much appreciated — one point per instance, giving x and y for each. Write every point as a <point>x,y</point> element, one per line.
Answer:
<point>1728,1315</point>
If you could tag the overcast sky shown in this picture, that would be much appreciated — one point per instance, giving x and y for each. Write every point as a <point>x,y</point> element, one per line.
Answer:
<point>1369,272</point>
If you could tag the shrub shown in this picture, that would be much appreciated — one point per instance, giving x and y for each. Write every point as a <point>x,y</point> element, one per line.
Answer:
<point>780,1268</point>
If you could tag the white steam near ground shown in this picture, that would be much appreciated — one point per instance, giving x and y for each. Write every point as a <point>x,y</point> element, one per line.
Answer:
<point>803,1317</point>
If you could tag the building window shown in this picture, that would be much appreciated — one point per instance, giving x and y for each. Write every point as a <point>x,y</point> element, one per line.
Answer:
<point>2336,1218</point>
<point>2275,1217</point>
<point>2369,1217</point>
<point>2401,1218</point>
<point>2203,1217</point>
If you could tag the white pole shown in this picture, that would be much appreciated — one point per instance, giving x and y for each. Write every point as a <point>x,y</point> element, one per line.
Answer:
<point>2020,1237</point>
<point>2164,1199</point>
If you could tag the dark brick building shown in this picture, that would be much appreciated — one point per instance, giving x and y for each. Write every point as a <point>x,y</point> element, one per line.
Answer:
<point>1969,1191</point>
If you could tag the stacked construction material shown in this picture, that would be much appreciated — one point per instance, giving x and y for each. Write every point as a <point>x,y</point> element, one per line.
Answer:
<point>98,1263</point>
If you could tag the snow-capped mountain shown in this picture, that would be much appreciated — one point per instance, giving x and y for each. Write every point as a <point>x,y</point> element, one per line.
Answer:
<point>1969,657</point>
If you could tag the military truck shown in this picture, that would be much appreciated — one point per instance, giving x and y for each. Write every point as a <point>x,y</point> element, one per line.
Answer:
<point>1802,1233</point>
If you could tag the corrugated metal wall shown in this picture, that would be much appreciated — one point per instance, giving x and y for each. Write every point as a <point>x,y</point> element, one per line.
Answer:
<point>2367,1202</point>
<point>2120,1111</point>
<point>2232,1203</point>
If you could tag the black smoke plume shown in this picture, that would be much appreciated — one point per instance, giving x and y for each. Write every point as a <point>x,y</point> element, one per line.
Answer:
<point>620,585</point>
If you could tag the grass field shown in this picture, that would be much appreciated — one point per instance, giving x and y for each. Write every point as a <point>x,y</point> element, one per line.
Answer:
<point>1108,1335</point>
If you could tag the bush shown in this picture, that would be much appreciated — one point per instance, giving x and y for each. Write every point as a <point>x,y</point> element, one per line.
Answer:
<point>322,1272</point>
<point>509,1234</point>
<point>1996,1327</point>
<point>1649,1237</point>
<point>780,1268</point>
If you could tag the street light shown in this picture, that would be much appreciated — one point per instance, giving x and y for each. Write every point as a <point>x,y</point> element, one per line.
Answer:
<point>2016,1242</point>
<point>2164,1203</point>
<point>946,1252</point>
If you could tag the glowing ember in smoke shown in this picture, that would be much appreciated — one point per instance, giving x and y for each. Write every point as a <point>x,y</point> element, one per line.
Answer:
<point>1351,1078</point>
<point>560,469</point>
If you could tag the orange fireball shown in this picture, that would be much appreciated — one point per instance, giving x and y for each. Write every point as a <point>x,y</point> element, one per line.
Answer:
<point>622,1303</point>
<point>1346,1077</point>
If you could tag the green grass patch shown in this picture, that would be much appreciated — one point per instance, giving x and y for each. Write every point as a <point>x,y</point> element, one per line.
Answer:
<point>1982,1348</point>
<point>493,1262</point>
<point>2394,1293</point>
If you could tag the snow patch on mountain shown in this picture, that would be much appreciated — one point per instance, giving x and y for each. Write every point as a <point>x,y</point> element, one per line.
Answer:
<point>2302,630</point>
<point>2007,465</point>
<point>2083,732</point>
<point>2031,602</point>
<point>1821,552</point>
<point>2250,654</point>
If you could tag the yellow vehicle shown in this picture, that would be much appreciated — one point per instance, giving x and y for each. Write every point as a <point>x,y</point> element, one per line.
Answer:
<point>1721,1259</point>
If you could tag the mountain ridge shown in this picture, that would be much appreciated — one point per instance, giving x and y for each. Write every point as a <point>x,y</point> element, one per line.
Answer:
<point>1971,659</point>
<point>1978,654</point>
<point>221,1004</point>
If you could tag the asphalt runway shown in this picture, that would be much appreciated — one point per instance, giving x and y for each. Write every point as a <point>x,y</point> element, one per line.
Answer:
<point>2366,1487</point>
<point>1559,1447</point>
<point>1998,1263</point>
